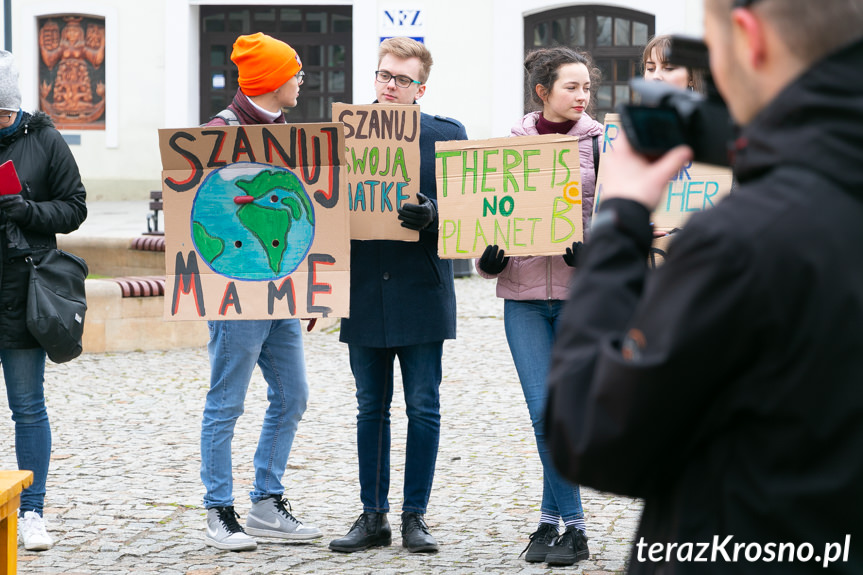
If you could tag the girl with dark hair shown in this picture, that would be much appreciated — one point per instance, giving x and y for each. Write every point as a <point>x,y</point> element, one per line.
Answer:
<point>534,288</point>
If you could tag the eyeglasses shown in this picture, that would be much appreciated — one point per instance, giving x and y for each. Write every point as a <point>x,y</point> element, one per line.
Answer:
<point>5,117</point>
<point>401,81</point>
<point>300,77</point>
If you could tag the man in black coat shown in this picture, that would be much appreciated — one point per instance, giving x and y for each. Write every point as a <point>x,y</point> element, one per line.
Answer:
<point>402,305</point>
<point>726,387</point>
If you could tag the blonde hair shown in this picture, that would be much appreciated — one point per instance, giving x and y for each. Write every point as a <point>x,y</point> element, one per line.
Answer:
<point>404,48</point>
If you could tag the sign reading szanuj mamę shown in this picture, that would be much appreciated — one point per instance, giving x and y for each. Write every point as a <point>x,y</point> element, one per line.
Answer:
<point>522,194</point>
<point>256,222</point>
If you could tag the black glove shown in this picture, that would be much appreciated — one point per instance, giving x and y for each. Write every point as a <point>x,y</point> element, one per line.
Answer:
<point>493,260</point>
<point>15,207</point>
<point>417,216</point>
<point>571,255</point>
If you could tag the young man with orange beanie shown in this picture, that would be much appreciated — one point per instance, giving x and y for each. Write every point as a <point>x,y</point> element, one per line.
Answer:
<point>270,78</point>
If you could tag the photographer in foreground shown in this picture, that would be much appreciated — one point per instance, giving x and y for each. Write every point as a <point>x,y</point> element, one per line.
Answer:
<point>726,388</point>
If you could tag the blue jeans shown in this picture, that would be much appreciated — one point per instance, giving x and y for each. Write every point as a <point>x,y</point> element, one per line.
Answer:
<point>421,376</point>
<point>530,329</point>
<point>24,374</point>
<point>235,347</point>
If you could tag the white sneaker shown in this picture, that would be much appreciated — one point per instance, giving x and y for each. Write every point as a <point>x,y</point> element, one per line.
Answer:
<point>271,517</point>
<point>31,530</point>
<point>224,532</point>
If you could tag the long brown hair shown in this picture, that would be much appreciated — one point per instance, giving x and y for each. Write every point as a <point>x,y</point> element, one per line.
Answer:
<point>542,66</point>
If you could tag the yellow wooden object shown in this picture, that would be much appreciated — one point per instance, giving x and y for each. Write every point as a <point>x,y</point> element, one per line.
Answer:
<point>12,483</point>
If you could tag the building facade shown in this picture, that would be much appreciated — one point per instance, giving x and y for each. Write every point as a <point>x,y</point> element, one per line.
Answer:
<point>112,73</point>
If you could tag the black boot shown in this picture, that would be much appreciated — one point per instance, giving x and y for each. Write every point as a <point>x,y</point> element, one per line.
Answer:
<point>415,534</point>
<point>370,530</point>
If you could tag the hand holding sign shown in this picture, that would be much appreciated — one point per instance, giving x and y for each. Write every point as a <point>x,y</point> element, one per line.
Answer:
<point>572,253</point>
<point>493,260</point>
<point>418,216</point>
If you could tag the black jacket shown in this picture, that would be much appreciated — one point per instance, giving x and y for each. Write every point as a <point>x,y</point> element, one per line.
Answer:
<point>402,293</point>
<point>51,184</point>
<point>726,387</point>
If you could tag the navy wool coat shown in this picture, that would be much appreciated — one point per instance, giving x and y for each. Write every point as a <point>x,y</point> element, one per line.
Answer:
<point>402,293</point>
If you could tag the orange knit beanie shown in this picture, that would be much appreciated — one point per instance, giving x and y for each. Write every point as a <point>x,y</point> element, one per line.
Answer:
<point>264,63</point>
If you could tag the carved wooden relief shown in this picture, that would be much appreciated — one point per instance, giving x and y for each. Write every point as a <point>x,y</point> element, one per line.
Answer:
<point>72,71</point>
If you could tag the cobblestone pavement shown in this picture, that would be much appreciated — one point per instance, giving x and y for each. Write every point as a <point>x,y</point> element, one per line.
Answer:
<point>124,495</point>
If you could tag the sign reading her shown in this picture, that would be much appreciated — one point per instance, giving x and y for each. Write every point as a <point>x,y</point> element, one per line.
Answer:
<point>695,188</point>
<point>523,194</point>
<point>383,166</point>
<point>256,222</point>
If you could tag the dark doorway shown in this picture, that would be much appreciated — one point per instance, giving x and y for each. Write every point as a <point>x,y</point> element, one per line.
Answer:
<point>322,35</point>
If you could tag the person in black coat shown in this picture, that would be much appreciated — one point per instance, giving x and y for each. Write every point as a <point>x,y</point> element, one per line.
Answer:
<point>402,304</point>
<point>51,200</point>
<point>726,387</point>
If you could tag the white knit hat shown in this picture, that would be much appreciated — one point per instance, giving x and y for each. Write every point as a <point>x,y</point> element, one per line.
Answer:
<point>10,94</point>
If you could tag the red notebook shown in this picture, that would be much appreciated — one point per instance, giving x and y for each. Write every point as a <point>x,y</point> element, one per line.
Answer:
<point>9,182</point>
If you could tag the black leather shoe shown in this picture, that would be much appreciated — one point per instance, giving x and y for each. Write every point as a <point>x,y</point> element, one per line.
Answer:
<point>569,548</point>
<point>415,534</point>
<point>370,530</point>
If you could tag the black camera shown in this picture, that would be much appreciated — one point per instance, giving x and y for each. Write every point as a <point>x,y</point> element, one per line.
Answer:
<point>668,116</point>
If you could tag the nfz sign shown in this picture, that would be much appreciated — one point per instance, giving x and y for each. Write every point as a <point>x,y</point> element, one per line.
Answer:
<point>402,22</point>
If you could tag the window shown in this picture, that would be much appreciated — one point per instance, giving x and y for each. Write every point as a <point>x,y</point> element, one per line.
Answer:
<point>321,35</point>
<point>614,37</point>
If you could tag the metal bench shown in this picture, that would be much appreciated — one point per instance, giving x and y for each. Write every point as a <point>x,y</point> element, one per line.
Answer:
<point>153,218</point>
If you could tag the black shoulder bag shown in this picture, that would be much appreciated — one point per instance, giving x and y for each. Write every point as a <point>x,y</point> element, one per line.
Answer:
<point>56,303</point>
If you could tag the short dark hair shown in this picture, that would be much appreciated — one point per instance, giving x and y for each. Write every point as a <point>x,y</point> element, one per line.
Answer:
<point>542,66</point>
<point>811,30</point>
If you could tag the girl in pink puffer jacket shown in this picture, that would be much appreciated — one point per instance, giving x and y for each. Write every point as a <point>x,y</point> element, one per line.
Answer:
<point>534,289</point>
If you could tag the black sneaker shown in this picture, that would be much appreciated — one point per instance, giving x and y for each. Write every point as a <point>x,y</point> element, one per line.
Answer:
<point>540,544</point>
<point>569,548</point>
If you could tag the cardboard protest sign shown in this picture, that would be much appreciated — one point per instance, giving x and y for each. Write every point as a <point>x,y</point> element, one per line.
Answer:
<point>523,194</point>
<point>695,188</point>
<point>256,222</point>
<point>383,167</point>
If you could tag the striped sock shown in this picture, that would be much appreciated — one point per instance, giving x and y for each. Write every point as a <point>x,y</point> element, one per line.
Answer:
<point>549,519</point>
<point>578,523</point>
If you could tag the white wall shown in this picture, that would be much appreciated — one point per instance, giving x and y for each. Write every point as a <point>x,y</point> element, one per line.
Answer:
<point>152,68</point>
